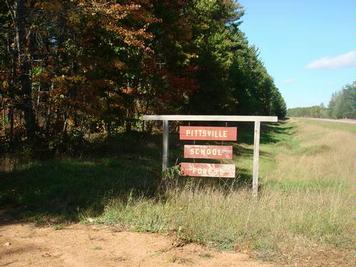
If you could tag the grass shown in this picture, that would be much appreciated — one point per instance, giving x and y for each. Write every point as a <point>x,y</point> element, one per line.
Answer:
<point>56,191</point>
<point>303,214</point>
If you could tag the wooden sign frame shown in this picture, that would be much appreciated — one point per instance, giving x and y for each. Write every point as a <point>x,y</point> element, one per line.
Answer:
<point>256,146</point>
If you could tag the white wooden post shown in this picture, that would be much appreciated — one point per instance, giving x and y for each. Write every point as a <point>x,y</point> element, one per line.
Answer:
<point>256,155</point>
<point>165,145</point>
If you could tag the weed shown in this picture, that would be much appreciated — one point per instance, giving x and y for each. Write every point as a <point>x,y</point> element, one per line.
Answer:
<point>59,226</point>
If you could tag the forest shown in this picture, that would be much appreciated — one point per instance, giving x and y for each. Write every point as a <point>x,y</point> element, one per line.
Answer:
<point>341,106</point>
<point>80,168</point>
<point>74,68</point>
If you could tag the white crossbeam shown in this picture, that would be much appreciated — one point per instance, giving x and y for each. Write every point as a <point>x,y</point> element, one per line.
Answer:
<point>209,118</point>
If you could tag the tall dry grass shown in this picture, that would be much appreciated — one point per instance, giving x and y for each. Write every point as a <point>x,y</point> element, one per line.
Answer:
<point>303,214</point>
<point>319,154</point>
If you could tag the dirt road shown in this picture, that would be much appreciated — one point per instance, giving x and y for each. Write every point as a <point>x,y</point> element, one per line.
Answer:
<point>87,245</point>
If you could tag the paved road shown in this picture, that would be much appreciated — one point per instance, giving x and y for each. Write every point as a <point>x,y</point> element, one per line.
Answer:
<point>331,120</point>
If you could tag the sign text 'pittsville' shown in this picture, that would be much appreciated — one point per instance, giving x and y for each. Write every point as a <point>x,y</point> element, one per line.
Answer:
<point>208,133</point>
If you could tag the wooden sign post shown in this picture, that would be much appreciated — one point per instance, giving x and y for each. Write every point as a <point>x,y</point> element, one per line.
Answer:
<point>211,133</point>
<point>165,145</point>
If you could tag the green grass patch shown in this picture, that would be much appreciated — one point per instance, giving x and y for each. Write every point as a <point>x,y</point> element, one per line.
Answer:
<point>305,185</point>
<point>301,206</point>
<point>225,220</point>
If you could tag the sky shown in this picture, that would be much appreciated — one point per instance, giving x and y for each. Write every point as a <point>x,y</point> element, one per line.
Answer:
<point>307,46</point>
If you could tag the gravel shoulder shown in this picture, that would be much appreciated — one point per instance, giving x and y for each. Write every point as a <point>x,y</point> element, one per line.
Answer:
<point>88,245</point>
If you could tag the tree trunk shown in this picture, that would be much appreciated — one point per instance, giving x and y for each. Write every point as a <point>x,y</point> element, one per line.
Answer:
<point>11,118</point>
<point>24,69</point>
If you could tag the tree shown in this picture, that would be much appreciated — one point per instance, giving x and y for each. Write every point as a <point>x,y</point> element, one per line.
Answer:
<point>70,68</point>
<point>343,103</point>
<point>75,52</point>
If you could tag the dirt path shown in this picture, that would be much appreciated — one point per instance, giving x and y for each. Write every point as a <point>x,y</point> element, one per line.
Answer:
<point>87,245</point>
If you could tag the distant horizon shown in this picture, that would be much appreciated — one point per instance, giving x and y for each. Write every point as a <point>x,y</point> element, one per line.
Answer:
<point>326,104</point>
<point>309,58</point>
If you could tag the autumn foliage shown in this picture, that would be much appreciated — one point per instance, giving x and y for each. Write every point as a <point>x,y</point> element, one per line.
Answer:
<point>82,67</point>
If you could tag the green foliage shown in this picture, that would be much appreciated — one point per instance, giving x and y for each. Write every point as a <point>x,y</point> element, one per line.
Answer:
<point>343,103</point>
<point>98,67</point>
<point>314,112</point>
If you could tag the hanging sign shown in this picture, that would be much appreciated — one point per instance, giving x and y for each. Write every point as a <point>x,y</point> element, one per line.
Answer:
<point>208,133</point>
<point>207,152</point>
<point>207,170</point>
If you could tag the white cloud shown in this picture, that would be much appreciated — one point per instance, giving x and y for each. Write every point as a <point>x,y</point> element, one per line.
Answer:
<point>346,60</point>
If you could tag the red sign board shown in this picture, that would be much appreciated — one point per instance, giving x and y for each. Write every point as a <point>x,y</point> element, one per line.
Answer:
<point>208,133</point>
<point>207,170</point>
<point>207,152</point>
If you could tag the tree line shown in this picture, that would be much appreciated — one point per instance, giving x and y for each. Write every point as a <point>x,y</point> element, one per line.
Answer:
<point>77,67</point>
<point>341,106</point>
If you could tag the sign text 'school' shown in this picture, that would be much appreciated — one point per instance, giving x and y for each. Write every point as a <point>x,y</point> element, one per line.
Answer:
<point>207,152</point>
